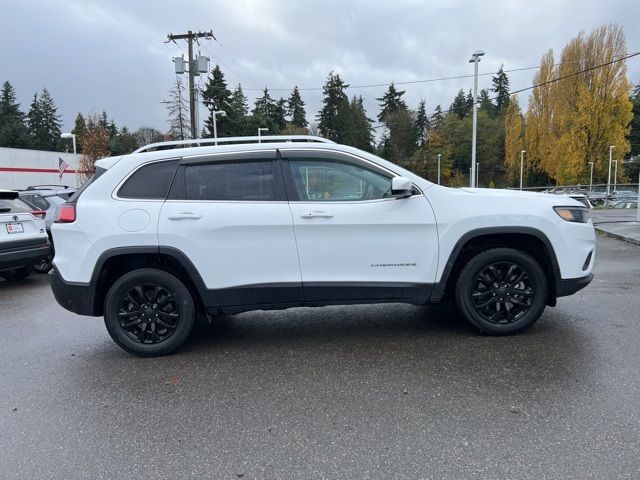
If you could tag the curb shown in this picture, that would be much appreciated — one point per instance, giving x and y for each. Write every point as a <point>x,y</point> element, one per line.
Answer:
<point>624,238</point>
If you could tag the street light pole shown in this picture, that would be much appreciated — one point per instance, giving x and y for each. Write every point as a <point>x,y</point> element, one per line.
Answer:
<point>439,156</point>
<point>475,58</point>
<point>260,130</point>
<point>522,152</point>
<point>591,177</point>
<point>72,136</point>
<point>477,173</point>
<point>615,176</point>
<point>222,113</point>
<point>611,147</point>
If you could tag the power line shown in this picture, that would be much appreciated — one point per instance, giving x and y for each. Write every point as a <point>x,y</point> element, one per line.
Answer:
<point>553,80</point>
<point>436,79</point>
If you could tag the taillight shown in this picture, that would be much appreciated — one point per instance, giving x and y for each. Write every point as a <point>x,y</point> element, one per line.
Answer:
<point>39,214</point>
<point>66,213</point>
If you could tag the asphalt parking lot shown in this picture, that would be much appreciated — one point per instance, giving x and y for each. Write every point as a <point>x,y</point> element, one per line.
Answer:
<point>382,391</point>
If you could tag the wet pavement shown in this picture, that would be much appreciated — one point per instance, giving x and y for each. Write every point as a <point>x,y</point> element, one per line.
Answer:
<point>378,391</point>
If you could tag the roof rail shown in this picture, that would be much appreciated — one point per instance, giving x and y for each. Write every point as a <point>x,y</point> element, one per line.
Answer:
<point>203,142</point>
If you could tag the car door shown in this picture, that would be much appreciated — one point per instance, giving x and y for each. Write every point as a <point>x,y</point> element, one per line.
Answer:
<point>355,241</point>
<point>229,215</point>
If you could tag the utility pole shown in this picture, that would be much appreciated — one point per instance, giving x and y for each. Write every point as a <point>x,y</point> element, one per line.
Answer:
<point>190,37</point>
<point>475,58</point>
<point>591,177</point>
<point>439,157</point>
<point>611,147</point>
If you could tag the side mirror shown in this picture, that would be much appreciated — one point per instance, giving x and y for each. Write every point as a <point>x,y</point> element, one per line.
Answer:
<point>401,187</point>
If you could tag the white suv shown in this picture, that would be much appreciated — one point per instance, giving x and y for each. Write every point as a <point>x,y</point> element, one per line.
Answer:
<point>161,235</point>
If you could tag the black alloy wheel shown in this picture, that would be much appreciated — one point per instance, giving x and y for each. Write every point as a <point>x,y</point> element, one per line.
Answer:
<point>149,312</point>
<point>502,291</point>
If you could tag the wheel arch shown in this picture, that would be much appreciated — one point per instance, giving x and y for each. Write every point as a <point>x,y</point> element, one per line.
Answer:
<point>115,262</point>
<point>527,239</point>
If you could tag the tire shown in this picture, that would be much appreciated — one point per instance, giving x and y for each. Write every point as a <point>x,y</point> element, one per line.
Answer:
<point>16,275</point>
<point>44,266</point>
<point>149,312</point>
<point>502,291</point>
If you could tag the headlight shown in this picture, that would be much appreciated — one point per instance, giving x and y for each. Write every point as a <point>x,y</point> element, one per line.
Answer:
<point>573,214</point>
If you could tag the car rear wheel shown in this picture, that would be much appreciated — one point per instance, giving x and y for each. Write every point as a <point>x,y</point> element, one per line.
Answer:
<point>16,274</point>
<point>149,312</point>
<point>502,291</point>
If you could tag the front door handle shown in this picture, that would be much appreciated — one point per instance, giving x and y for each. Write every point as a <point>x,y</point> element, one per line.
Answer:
<point>185,216</point>
<point>316,215</point>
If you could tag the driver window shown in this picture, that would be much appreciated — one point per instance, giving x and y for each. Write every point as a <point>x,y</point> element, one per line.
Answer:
<point>330,181</point>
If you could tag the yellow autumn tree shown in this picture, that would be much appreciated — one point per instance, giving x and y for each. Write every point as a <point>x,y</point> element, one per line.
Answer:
<point>513,139</point>
<point>572,121</point>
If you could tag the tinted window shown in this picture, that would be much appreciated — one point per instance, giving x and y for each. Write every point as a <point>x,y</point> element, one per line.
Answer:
<point>37,200</point>
<point>14,206</point>
<point>230,181</point>
<point>323,180</point>
<point>76,195</point>
<point>151,181</point>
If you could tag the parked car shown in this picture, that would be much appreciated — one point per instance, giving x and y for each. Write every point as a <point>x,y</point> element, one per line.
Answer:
<point>47,198</point>
<point>157,237</point>
<point>626,204</point>
<point>581,198</point>
<point>23,238</point>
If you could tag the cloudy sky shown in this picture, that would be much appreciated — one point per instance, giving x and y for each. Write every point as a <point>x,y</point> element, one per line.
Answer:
<point>110,55</point>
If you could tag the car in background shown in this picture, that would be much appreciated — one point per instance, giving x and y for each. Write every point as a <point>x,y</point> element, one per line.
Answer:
<point>47,198</point>
<point>626,204</point>
<point>581,198</point>
<point>23,238</point>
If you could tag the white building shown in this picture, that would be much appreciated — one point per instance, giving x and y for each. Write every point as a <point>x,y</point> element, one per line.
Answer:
<point>20,168</point>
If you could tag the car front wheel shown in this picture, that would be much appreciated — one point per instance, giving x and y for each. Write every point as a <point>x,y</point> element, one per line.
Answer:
<point>149,312</point>
<point>502,291</point>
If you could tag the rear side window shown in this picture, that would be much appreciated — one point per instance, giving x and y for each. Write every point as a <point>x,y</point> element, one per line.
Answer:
<point>37,200</point>
<point>151,181</point>
<point>248,181</point>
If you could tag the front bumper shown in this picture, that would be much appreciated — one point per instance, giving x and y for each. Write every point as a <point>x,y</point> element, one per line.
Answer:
<point>570,286</point>
<point>75,297</point>
<point>23,253</point>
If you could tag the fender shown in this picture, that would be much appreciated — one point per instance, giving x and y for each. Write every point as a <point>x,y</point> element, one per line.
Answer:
<point>439,288</point>
<point>206,295</point>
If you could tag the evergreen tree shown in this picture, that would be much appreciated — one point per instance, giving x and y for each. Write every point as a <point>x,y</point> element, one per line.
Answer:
<point>295,109</point>
<point>469,102</point>
<point>35,124</point>
<point>485,103</point>
<point>128,141</point>
<point>279,115</point>
<point>50,121</point>
<point>178,111</point>
<point>421,125</point>
<point>335,108</point>
<point>239,103</point>
<point>500,87</point>
<point>13,130</point>
<point>391,102</point>
<point>459,105</point>
<point>264,106</point>
<point>631,168</point>
<point>360,131</point>
<point>216,96</point>
<point>437,119</point>
<point>400,142</point>
<point>79,130</point>
<point>103,120</point>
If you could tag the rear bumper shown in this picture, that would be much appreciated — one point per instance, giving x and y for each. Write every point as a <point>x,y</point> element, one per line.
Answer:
<point>75,297</point>
<point>570,286</point>
<point>23,253</point>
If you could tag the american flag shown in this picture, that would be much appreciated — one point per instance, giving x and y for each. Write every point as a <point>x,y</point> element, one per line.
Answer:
<point>62,166</point>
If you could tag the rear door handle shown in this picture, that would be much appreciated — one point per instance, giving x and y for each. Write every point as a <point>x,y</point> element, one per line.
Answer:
<point>185,216</point>
<point>316,215</point>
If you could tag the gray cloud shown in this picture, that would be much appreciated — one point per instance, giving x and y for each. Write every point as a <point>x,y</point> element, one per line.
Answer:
<point>110,55</point>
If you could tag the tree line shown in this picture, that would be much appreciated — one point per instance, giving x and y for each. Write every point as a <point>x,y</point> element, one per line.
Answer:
<point>572,118</point>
